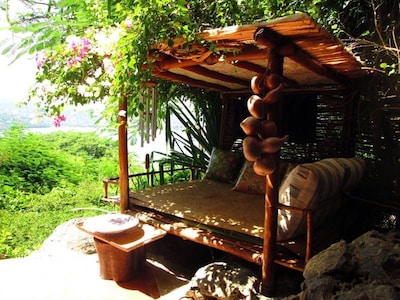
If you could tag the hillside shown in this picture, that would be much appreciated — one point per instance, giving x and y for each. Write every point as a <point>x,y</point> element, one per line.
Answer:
<point>10,113</point>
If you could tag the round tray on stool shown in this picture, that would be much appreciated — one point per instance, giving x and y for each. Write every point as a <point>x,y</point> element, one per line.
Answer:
<point>122,254</point>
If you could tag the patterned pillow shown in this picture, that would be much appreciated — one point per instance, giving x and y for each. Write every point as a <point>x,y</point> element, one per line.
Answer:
<point>224,165</point>
<point>307,186</point>
<point>248,181</point>
<point>354,171</point>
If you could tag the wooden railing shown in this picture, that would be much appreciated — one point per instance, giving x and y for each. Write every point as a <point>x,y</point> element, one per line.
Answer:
<point>151,178</point>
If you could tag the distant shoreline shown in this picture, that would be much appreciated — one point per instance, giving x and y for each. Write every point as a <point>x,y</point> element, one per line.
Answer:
<point>76,117</point>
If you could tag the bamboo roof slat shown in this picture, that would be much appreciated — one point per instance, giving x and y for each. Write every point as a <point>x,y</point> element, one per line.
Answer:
<point>206,80</point>
<point>216,75</point>
<point>319,59</point>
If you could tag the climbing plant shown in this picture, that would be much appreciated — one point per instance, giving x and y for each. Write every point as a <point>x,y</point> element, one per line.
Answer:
<point>98,50</point>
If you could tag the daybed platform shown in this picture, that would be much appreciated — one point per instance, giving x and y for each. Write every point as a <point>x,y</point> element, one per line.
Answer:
<point>231,216</point>
<point>206,202</point>
<point>211,213</point>
<point>298,85</point>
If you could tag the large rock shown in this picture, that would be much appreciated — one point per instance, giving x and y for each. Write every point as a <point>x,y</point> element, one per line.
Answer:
<point>335,259</point>
<point>223,281</point>
<point>66,238</point>
<point>366,268</point>
<point>378,256</point>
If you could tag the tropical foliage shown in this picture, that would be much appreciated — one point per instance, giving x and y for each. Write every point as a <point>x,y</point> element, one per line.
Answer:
<point>60,159</point>
<point>99,50</point>
<point>96,50</point>
<point>48,180</point>
<point>201,123</point>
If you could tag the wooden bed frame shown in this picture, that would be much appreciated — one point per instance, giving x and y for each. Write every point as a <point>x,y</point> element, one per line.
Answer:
<point>216,214</point>
<point>198,228</point>
<point>310,60</point>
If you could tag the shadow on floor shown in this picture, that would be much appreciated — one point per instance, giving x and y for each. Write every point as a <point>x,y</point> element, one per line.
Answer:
<point>154,281</point>
<point>180,259</point>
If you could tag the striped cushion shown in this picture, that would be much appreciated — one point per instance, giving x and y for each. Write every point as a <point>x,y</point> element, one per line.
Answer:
<point>307,186</point>
<point>354,171</point>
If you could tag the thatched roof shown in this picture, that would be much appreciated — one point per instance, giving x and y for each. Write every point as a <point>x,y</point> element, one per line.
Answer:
<point>231,56</point>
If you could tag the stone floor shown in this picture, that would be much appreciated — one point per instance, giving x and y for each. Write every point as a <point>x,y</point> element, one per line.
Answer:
<point>171,262</point>
<point>76,276</point>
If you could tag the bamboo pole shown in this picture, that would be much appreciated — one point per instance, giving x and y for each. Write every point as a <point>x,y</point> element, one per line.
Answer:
<point>141,120</point>
<point>272,193</point>
<point>154,112</point>
<point>123,155</point>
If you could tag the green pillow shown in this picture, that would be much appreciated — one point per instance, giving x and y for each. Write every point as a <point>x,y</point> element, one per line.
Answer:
<point>224,165</point>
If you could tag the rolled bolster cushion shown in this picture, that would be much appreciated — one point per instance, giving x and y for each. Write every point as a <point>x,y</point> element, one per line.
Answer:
<point>354,171</point>
<point>307,186</point>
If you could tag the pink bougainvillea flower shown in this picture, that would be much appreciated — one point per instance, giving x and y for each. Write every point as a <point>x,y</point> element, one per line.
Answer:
<point>73,42</point>
<point>57,120</point>
<point>71,62</point>
<point>108,65</point>
<point>85,43</point>
<point>128,23</point>
<point>40,60</point>
<point>84,47</point>
<point>74,61</point>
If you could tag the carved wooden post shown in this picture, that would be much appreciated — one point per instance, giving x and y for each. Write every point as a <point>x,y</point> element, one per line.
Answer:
<point>272,190</point>
<point>263,146</point>
<point>123,155</point>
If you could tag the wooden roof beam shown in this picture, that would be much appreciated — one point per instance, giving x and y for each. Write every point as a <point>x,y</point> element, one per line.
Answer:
<point>192,82</point>
<point>271,39</point>
<point>249,66</point>
<point>211,74</point>
<point>165,62</point>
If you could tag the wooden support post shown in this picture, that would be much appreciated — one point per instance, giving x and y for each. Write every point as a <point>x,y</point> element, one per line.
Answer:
<point>123,155</point>
<point>272,192</point>
<point>269,38</point>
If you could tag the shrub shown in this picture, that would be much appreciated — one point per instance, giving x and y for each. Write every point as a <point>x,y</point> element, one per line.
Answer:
<point>48,181</point>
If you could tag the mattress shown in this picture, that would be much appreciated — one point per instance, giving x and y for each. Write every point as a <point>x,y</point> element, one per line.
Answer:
<point>208,202</point>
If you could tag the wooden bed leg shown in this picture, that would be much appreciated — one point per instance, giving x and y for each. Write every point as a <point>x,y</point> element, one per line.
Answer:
<point>268,269</point>
<point>309,236</point>
<point>271,218</point>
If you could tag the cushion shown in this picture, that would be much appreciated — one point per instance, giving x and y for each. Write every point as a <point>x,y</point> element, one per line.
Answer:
<point>252,183</point>
<point>354,171</point>
<point>308,186</point>
<point>224,165</point>
<point>248,181</point>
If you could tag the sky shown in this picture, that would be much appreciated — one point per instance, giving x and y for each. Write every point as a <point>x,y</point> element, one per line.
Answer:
<point>15,79</point>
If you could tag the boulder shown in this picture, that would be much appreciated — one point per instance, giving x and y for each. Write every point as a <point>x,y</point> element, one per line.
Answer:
<point>366,268</point>
<point>335,259</point>
<point>67,238</point>
<point>223,281</point>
